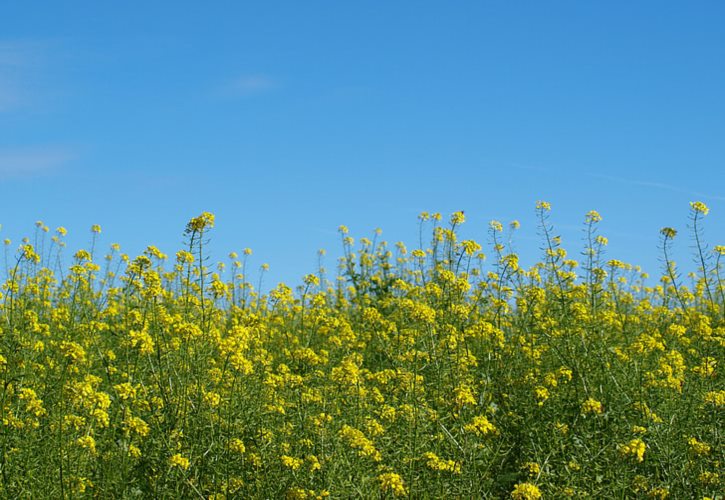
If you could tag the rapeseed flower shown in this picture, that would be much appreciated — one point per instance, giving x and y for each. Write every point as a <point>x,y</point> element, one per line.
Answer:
<point>531,468</point>
<point>200,223</point>
<point>526,491</point>
<point>698,447</point>
<point>177,460</point>
<point>436,463</point>
<point>593,217</point>
<point>592,407</point>
<point>391,482</point>
<point>480,426</point>
<point>634,449</point>
<point>291,462</point>
<point>458,218</point>
<point>715,398</point>
<point>543,205</point>
<point>88,443</point>
<point>699,207</point>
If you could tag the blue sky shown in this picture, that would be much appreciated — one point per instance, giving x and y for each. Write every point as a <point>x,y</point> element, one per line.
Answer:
<point>286,119</point>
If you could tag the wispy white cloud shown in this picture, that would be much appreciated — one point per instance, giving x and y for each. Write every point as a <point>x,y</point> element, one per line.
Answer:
<point>29,163</point>
<point>631,182</point>
<point>247,85</point>
<point>19,63</point>
<point>655,185</point>
<point>15,53</point>
<point>10,97</point>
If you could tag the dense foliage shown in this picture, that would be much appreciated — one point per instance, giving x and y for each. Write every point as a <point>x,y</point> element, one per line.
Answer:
<point>428,373</point>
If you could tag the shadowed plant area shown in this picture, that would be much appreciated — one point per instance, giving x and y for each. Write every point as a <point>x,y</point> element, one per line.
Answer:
<point>429,373</point>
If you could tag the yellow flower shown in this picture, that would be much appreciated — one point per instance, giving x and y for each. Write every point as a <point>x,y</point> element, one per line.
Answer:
<point>635,449</point>
<point>709,478</point>
<point>715,398</point>
<point>698,447</point>
<point>542,394</point>
<point>699,207</point>
<point>101,417</point>
<point>155,252</point>
<point>184,257</point>
<point>125,391</point>
<point>33,404</point>
<point>393,483</point>
<point>200,223</point>
<point>436,463</point>
<point>543,205</point>
<point>458,218</point>
<point>212,399</point>
<point>532,468</point>
<point>142,340</point>
<point>313,463</point>
<point>179,461</point>
<point>659,493</point>
<point>237,446</point>
<point>480,426</point>
<point>526,491</point>
<point>592,406</point>
<point>73,351</point>
<point>311,280</point>
<point>356,439</point>
<point>74,421</point>
<point>593,216</point>
<point>30,254</point>
<point>79,484</point>
<point>88,443</point>
<point>136,425</point>
<point>291,462</point>
<point>463,395</point>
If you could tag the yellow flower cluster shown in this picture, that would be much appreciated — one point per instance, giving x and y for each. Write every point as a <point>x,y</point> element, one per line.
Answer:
<point>634,449</point>
<point>698,447</point>
<point>592,407</point>
<point>480,426</point>
<point>526,491</point>
<point>436,463</point>
<point>177,460</point>
<point>392,483</point>
<point>357,440</point>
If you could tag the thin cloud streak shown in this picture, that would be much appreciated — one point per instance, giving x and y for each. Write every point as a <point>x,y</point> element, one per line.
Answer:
<point>9,96</point>
<point>18,60</point>
<point>656,185</point>
<point>247,85</point>
<point>20,53</point>
<point>25,163</point>
<point>631,182</point>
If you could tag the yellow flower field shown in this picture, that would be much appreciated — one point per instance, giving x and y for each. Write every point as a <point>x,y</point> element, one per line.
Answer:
<point>435,372</point>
